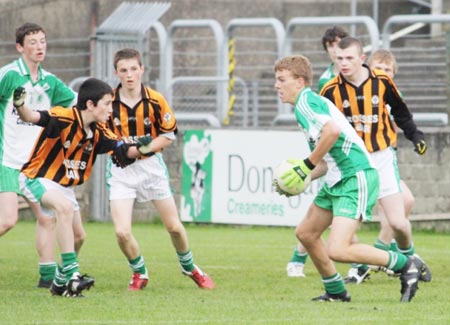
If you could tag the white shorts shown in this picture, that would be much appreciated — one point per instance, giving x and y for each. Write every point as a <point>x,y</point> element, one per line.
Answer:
<point>385,162</point>
<point>144,180</point>
<point>34,189</point>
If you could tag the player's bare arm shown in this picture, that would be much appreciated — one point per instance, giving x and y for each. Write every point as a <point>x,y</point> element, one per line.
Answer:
<point>320,170</point>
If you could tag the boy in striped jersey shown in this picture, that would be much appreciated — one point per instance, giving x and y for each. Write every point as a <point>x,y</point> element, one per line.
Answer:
<point>363,95</point>
<point>140,111</point>
<point>62,157</point>
<point>17,138</point>
<point>350,190</point>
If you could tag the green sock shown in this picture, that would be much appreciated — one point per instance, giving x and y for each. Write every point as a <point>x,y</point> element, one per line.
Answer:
<point>47,270</point>
<point>69,264</point>
<point>60,278</point>
<point>334,284</point>
<point>359,266</point>
<point>396,261</point>
<point>381,245</point>
<point>137,265</point>
<point>298,257</point>
<point>186,261</point>
<point>394,246</point>
<point>408,251</point>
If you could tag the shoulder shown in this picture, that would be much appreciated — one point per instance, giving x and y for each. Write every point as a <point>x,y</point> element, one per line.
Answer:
<point>47,74</point>
<point>327,73</point>
<point>330,85</point>
<point>384,78</point>
<point>380,74</point>
<point>154,95</point>
<point>103,128</point>
<point>309,99</point>
<point>11,69</point>
<point>52,79</point>
<point>62,112</point>
<point>157,100</point>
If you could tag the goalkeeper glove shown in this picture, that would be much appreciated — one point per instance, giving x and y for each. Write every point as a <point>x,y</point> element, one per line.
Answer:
<point>420,147</point>
<point>297,175</point>
<point>143,146</point>
<point>279,190</point>
<point>19,97</point>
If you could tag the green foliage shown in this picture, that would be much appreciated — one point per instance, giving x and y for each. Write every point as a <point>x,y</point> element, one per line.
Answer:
<point>247,264</point>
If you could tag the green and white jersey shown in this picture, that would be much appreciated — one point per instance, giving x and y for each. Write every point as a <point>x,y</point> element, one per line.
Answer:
<point>348,154</point>
<point>17,137</point>
<point>326,76</point>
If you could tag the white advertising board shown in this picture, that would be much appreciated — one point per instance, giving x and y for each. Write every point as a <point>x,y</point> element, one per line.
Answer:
<point>227,177</point>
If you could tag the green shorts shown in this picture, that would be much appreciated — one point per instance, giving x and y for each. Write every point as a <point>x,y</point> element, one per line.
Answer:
<point>353,197</point>
<point>9,180</point>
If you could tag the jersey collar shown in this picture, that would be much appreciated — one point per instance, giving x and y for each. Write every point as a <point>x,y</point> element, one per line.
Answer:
<point>117,93</point>
<point>24,68</point>
<point>372,75</point>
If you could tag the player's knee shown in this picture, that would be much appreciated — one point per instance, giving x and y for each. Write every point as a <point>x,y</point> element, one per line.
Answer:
<point>303,236</point>
<point>46,221</point>
<point>123,235</point>
<point>336,253</point>
<point>399,226</point>
<point>8,221</point>
<point>79,238</point>
<point>409,202</point>
<point>175,229</point>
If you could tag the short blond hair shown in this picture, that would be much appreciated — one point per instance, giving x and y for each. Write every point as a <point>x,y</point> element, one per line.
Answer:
<point>383,56</point>
<point>298,65</point>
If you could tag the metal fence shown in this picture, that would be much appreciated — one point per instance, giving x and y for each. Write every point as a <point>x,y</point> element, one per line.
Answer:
<point>231,67</point>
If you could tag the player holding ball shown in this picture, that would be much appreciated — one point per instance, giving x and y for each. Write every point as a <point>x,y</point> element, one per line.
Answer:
<point>350,190</point>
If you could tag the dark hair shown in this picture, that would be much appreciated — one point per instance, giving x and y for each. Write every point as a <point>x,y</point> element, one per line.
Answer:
<point>127,53</point>
<point>27,29</point>
<point>346,42</point>
<point>331,34</point>
<point>92,89</point>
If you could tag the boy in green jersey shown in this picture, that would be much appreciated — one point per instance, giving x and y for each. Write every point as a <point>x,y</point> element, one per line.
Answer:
<point>350,190</point>
<point>17,139</point>
<point>330,38</point>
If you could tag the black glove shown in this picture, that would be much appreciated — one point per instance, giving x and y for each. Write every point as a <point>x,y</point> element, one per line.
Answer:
<point>119,156</point>
<point>19,97</point>
<point>420,147</point>
<point>143,145</point>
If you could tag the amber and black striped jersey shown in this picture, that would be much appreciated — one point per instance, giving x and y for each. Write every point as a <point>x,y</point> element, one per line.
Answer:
<point>365,107</point>
<point>151,116</point>
<point>64,152</point>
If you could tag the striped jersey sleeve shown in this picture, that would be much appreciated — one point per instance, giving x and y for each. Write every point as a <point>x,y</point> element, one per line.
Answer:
<point>64,152</point>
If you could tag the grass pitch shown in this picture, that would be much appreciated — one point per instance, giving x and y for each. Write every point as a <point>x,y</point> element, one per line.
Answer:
<point>247,264</point>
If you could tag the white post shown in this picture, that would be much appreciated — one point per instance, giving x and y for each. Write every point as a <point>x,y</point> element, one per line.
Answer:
<point>353,12</point>
<point>375,10</point>
<point>436,9</point>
